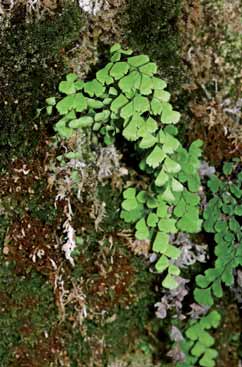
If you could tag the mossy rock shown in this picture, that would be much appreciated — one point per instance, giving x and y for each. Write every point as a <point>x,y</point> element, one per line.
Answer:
<point>28,318</point>
<point>31,66</point>
<point>152,29</point>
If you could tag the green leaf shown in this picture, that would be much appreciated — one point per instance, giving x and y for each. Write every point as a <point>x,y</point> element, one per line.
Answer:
<point>174,270</point>
<point>206,361</point>
<point>116,56</point>
<point>156,106</point>
<point>202,281</point>
<point>129,204</point>
<point>234,225</point>
<point>51,101</point>
<point>129,82</point>
<point>173,252</point>
<point>65,132</point>
<point>119,69</point>
<point>93,103</point>
<point>64,105</point>
<point>67,87</point>
<point>235,190</point>
<point>162,178</point>
<point>169,116</point>
<point>129,193</point>
<point>191,198</point>
<point>149,126</point>
<point>193,332</point>
<point>155,158</point>
<point>152,220</point>
<point>49,110</point>
<point>168,195</point>
<point>213,319</point>
<point>113,91</point>
<point>118,103</point>
<point>127,111</point>
<point>79,102</point>
<point>193,183</point>
<point>158,83</point>
<point>149,69</point>
<point>217,288</point>
<point>198,349</point>
<point>227,168</point>
<point>94,87</point>
<point>169,282</point>
<point>71,77</point>
<point>162,95</point>
<point>146,85</point>
<point>170,144</point>
<point>131,130</point>
<point>138,60</point>
<point>180,208</point>
<point>152,202</point>
<point>82,122</point>
<point>171,166</point>
<point>103,74</point>
<point>102,116</point>
<point>115,47</point>
<point>141,104</point>
<point>162,209</point>
<point>162,264</point>
<point>142,231</point>
<point>214,184</point>
<point>73,155</point>
<point>161,242</point>
<point>79,84</point>
<point>206,339</point>
<point>176,185</point>
<point>142,197</point>
<point>190,222</point>
<point>148,141</point>
<point>238,210</point>
<point>167,225</point>
<point>203,296</point>
<point>133,215</point>
<point>227,276</point>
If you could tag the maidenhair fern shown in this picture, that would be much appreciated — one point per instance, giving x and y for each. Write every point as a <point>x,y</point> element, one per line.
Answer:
<point>222,217</point>
<point>198,345</point>
<point>126,97</point>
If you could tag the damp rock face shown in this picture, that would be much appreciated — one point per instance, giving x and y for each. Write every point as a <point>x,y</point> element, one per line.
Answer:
<point>152,29</point>
<point>31,66</point>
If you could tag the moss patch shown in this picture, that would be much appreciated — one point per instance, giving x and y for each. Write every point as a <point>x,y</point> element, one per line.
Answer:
<point>28,318</point>
<point>152,29</point>
<point>30,76</point>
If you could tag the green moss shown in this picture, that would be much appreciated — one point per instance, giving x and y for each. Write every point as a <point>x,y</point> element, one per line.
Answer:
<point>124,324</point>
<point>3,228</point>
<point>31,66</point>
<point>152,29</point>
<point>27,314</point>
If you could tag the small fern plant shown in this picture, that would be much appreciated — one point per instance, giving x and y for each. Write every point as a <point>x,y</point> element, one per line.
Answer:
<point>127,98</point>
<point>223,218</point>
<point>198,344</point>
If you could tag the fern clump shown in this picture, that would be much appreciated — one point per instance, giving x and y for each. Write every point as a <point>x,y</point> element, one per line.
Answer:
<point>222,217</point>
<point>127,97</point>
<point>198,345</point>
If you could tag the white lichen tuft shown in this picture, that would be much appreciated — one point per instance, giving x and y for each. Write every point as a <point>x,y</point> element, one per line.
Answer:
<point>70,244</point>
<point>70,236</point>
<point>92,7</point>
